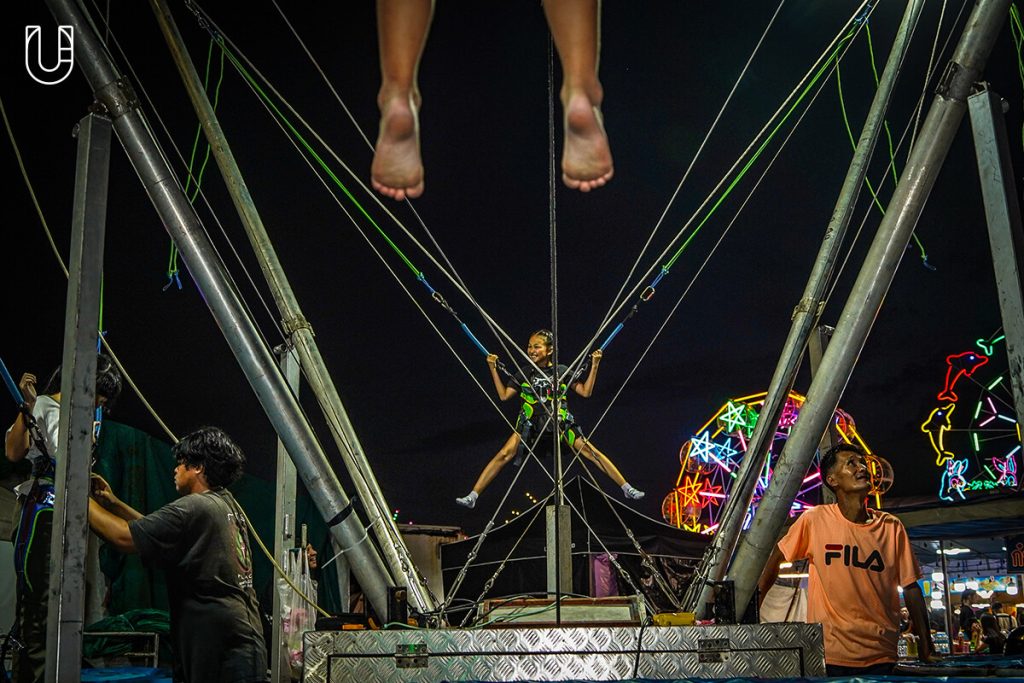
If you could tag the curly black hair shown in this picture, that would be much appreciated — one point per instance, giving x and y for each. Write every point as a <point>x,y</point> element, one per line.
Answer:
<point>828,460</point>
<point>213,450</point>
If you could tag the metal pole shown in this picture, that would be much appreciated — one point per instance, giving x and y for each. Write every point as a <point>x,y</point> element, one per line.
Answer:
<point>284,524</point>
<point>68,545</point>
<point>1002,213</point>
<point>385,529</point>
<point>816,347</point>
<point>868,292</point>
<point>947,583</point>
<point>805,316</point>
<point>214,282</point>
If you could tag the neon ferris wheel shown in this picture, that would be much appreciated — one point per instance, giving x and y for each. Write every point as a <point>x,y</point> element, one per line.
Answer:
<point>710,460</point>
<point>973,430</point>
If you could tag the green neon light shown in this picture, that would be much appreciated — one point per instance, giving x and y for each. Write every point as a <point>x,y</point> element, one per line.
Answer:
<point>977,411</point>
<point>991,473</point>
<point>976,446</point>
<point>994,384</point>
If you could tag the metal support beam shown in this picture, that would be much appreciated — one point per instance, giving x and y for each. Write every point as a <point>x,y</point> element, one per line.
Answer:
<point>946,598</point>
<point>873,281</point>
<point>69,543</point>
<point>816,347</point>
<point>1002,213</point>
<point>805,316</point>
<point>284,524</point>
<point>379,519</point>
<point>558,549</point>
<point>219,294</point>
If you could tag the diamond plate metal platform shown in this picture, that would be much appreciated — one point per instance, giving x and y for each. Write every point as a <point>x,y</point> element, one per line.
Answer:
<point>553,654</point>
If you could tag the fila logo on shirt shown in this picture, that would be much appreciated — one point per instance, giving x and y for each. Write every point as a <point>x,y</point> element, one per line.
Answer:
<point>851,557</point>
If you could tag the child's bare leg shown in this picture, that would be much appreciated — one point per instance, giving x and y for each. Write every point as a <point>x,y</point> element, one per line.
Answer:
<point>586,156</point>
<point>590,452</point>
<point>500,459</point>
<point>402,27</point>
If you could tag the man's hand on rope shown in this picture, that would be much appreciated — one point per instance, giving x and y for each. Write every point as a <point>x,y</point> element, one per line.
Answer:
<point>595,357</point>
<point>101,491</point>
<point>27,385</point>
<point>492,360</point>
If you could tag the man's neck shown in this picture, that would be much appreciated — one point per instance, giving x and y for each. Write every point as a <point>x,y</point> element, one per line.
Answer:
<point>854,507</point>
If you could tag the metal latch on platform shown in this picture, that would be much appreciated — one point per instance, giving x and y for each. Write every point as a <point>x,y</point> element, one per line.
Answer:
<point>411,656</point>
<point>712,650</point>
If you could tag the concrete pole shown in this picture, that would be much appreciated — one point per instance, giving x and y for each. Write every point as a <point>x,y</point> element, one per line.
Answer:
<point>212,278</point>
<point>868,292</point>
<point>385,529</point>
<point>68,544</point>
<point>805,317</point>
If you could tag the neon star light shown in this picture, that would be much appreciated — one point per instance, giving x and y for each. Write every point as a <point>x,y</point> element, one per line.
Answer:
<point>710,459</point>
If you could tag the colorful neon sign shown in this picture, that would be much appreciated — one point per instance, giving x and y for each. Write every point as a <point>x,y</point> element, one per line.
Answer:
<point>709,461</point>
<point>973,430</point>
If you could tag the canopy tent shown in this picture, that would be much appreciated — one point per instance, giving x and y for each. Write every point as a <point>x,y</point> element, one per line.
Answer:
<point>978,525</point>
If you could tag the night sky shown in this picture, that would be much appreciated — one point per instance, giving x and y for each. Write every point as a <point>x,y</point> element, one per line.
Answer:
<point>666,67</point>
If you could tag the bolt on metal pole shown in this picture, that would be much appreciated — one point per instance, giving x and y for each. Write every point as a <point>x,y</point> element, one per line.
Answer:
<point>865,300</point>
<point>805,316</point>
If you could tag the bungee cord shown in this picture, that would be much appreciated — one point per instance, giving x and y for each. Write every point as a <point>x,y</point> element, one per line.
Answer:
<point>181,158</point>
<point>226,44</point>
<point>231,283</point>
<point>285,123</point>
<point>838,272</point>
<point>650,287</point>
<point>648,292</point>
<point>64,269</point>
<point>172,261</point>
<point>912,129</point>
<point>529,447</point>
<point>693,162</point>
<point>710,254</point>
<point>753,151</point>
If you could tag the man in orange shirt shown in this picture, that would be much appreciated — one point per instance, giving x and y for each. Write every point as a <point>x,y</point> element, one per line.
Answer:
<point>858,558</point>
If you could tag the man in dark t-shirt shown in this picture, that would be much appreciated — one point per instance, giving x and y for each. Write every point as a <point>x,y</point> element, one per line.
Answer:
<point>201,541</point>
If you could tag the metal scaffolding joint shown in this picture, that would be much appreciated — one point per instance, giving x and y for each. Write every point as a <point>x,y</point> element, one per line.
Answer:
<point>118,98</point>
<point>295,323</point>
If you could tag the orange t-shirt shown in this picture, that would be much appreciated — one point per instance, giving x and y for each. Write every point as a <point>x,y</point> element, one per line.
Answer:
<point>854,572</point>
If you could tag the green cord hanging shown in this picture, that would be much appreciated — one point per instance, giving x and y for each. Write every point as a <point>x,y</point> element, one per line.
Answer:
<point>888,135</point>
<point>193,178</point>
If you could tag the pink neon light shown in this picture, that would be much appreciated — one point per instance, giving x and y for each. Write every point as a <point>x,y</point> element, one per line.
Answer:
<point>711,495</point>
<point>811,476</point>
<point>987,420</point>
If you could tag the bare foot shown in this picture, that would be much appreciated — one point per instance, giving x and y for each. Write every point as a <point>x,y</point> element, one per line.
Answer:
<point>586,158</point>
<point>397,170</point>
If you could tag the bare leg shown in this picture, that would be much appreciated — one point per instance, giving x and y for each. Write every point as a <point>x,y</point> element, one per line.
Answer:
<point>590,452</point>
<point>500,459</point>
<point>402,27</point>
<point>586,157</point>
